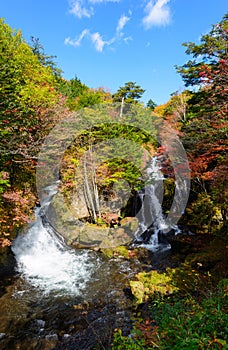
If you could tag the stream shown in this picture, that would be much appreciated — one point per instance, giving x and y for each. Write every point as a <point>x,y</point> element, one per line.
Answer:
<point>62,298</point>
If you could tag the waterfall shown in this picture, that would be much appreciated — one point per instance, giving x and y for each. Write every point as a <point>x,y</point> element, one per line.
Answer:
<point>46,262</point>
<point>149,210</point>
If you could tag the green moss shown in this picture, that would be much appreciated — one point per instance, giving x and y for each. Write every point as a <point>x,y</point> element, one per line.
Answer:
<point>150,283</point>
<point>100,222</point>
<point>108,252</point>
<point>120,251</point>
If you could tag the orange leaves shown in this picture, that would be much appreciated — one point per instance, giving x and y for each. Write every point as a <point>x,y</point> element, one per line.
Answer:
<point>205,165</point>
<point>16,210</point>
<point>5,242</point>
<point>149,332</point>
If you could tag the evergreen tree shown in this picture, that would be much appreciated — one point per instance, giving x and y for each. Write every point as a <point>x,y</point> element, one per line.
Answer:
<point>130,92</point>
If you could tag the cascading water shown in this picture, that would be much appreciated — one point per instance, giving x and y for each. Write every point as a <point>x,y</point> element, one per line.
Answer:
<point>46,262</point>
<point>151,220</point>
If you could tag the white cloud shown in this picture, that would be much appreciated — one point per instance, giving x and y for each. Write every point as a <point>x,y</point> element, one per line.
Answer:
<point>127,39</point>
<point>97,39</point>
<point>157,13</point>
<point>121,23</point>
<point>81,8</point>
<point>98,42</point>
<point>76,42</point>
<point>78,9</point>
<point>100,1</point>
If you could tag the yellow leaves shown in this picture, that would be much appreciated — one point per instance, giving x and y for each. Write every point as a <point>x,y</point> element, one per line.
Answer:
<point>75,161</point>
<point>160,110</point>
<point>138,290</point>
<point>31,82</point>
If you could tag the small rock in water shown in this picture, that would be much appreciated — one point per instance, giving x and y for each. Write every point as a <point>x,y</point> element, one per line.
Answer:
<point>40,323</point>
<point>52,336</point>
<point>65,336</point>
<point>2,335</point>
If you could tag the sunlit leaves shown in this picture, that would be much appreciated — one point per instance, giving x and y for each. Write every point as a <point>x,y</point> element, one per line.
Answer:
<point>130,93</point>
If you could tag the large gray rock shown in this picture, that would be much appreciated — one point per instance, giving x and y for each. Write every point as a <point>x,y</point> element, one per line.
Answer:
<point>78,204</point>
<point>62,219</point>
<point>84,235</point>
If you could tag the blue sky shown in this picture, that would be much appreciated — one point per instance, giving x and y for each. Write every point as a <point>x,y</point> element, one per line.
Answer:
<point>109,42</point>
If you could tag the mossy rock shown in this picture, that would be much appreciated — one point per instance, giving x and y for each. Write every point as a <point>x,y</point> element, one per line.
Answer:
<point>203,269</point>
<point>130,224</point>
<point>83,235</point>
<point>149,284</point>
<point>91,236</point>
<point>120,252</point>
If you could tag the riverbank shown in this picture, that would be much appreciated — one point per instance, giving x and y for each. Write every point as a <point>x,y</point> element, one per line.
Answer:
<point>107,315</point>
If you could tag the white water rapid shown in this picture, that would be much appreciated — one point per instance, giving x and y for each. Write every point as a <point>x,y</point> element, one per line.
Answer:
<point>46,262</point>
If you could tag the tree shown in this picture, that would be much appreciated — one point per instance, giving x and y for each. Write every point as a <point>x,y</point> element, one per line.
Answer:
<point>29,106</point>
<point>72,89</point>
<point>26,88</point>
<point>43,58</point>
<point>208,69</point>
<point>112,156</point>
<point>151,104</point>
<point>130,92</point>
<point>177,105</point>
<point>205,132</point>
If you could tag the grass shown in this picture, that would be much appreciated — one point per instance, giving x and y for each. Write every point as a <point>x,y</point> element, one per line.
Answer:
<point>178,322</point>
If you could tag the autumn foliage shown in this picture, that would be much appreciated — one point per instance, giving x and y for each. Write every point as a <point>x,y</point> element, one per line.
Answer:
<point>34,97</point>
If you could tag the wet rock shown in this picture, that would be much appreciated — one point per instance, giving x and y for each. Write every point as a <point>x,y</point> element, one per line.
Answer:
<point>49,342</point>
<point>181,244</point>
<point>78,203</point>
<point>7,263</point>
<point>51,337</point>
<point>66,336</point>
<point>130,223</point>
<point>163,237</point>
<point>146,235</point>
<point>115,238</point>
<point>62,219</point>
<point>40,323</point>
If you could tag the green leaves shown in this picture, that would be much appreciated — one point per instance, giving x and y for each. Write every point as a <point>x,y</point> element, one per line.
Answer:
<point>4,181</point>
<point>212,49</point>
<point>130,92</point>
<point>151,104</point>
<point>43,58</point>
<point>26,88</point>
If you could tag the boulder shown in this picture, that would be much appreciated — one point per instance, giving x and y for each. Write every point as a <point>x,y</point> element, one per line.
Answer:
<point>61,218</point>
<point>84,235</point>
<point>130,224</point>
<point>78,204</point>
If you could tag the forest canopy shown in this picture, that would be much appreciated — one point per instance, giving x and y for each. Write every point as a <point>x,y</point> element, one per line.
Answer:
<point>34,97</point>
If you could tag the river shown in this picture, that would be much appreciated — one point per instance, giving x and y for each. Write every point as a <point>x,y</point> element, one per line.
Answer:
<point>62,298</point>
